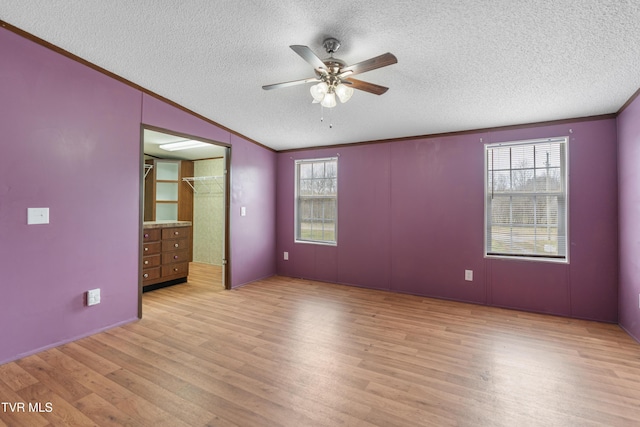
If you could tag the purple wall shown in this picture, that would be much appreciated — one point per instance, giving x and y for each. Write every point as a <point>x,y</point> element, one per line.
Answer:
<point>629,193</point>
<point>252,186</point>
<point>71,142</point>
<point>411,213</point>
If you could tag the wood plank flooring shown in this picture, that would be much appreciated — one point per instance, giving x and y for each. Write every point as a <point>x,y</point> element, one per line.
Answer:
<point>289,352</point>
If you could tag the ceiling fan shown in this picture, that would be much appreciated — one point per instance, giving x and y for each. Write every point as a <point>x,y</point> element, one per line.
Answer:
<point>333,75</point>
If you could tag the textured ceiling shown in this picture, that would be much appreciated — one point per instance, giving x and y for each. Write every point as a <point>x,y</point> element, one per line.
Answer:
<point>461,64</point>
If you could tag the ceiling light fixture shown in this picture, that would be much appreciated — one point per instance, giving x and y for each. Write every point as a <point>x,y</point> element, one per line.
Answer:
<point>325,94</point>
<point>183,145</point>
<point>333,77</point>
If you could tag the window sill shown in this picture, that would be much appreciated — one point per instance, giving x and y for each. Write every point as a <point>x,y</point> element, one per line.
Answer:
<point>311,242</point>
<point>527,258</point>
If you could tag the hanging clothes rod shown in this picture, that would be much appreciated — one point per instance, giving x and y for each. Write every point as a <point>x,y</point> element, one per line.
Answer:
<point>204,183</point>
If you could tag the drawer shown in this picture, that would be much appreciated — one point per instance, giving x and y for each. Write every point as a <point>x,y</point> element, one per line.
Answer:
<point>175,245</point>
<point>150,273</point>
<point>175,233</point>
<point>151,234</point>
<point>181,269</point>
<point>151,261</point>
<point>176,256</point>
<point>149,248</point>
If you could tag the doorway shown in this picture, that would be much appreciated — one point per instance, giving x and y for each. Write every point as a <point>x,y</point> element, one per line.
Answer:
<point>204,190</point>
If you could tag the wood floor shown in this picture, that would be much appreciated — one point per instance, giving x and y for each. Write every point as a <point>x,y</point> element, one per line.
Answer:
<point>298,353</point>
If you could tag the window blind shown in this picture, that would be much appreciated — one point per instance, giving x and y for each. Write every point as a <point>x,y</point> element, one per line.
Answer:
<point>316,200</point>
<point>526,199</point>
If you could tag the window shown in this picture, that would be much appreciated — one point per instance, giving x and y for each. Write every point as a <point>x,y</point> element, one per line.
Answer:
<point>526,199</point>
<point>316,201</point>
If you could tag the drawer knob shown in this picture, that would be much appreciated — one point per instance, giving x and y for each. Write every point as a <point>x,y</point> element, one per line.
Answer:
<point>176,232</point>
<point>146,235</point>
<point>176,245</point>
<point>145,275</point>
<point>146,249</point>
<point>175,257</point>
<point>146,262</point>
<point>175,269</point>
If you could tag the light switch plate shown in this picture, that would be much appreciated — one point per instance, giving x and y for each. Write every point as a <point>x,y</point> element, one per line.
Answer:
<point>468,275</point>
<point>93,297</point>
<point>243,211</point>
<point>37,215</point>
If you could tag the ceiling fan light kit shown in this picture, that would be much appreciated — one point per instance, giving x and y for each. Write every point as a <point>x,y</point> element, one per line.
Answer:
<point>333,76</point>
<point>326,95</point>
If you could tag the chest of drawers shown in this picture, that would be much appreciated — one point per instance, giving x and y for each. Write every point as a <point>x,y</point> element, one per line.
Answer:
<point>166,252</point>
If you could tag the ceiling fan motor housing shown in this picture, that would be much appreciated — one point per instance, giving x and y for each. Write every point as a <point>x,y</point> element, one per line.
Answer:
<point>333,65</point>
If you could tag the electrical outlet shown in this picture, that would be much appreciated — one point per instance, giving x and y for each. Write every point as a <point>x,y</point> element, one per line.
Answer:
<point>286,256</point>
<point>468,275</point>
<point>93,297</point>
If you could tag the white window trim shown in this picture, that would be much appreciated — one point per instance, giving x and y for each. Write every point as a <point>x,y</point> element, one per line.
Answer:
<point>564,260</point>
<point>295,203</point>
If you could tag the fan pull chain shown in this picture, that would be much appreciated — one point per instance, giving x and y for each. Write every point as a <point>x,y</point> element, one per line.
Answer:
<point>322,117</point>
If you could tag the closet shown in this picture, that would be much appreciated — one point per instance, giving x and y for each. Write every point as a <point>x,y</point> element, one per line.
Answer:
<point>185,192</point>
<point>167,247</point>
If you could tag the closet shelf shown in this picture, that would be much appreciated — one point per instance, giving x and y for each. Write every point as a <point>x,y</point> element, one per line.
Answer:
<point>205,184</point>
<point>147,169</point>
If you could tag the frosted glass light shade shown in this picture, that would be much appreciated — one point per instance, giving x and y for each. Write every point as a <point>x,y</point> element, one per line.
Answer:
<point>344,92</point>
<point>329,100</point>
<point>319,91</point>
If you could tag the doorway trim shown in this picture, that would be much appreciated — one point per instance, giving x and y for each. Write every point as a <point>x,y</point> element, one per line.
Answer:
<point>226,267</point>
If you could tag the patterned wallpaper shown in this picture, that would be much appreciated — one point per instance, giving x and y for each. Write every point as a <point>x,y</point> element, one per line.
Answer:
<point>208,213</point>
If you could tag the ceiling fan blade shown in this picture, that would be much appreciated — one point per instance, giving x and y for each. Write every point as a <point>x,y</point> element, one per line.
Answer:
<point>366,86</point>
<point>368,65</point>
<point>291,83</point>
<point>308,55</point>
